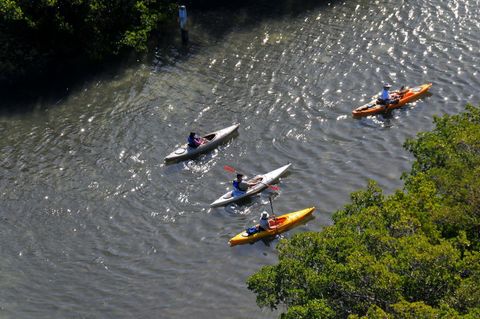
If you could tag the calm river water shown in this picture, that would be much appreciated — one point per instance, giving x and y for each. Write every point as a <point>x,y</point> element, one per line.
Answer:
<point>94,225</point>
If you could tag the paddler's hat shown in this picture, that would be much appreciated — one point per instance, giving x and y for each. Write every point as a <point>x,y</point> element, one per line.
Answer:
<point>239,175</point>
<point>387,85</point>
<point>265,215</point>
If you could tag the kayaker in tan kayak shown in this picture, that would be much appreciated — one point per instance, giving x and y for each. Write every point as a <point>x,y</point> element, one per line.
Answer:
<point>194,141</point>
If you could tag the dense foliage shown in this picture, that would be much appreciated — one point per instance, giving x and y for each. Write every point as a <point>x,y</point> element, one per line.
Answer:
<point>35,33</point>
<point>413,254</point>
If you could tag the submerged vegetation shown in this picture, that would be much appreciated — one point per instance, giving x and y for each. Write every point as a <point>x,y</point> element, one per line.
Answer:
<point>413,254</point>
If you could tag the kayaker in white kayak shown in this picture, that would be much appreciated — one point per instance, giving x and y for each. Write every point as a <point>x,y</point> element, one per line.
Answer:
<point>194,141</point>
<point>240,186</point>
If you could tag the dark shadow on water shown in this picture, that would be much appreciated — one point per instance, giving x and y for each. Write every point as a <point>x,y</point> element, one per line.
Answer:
<point>243,203</point>
<point>48,90</point>
<point>219,18</point>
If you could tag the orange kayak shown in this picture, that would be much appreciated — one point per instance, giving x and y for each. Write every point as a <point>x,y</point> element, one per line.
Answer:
<point>277,226</point>
<point>405,97</point>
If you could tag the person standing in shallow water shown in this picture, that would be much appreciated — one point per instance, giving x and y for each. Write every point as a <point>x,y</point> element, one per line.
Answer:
<point>182,18</point>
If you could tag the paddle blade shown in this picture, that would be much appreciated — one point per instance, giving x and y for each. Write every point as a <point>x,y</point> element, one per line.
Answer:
<point>274,188</point>
<point>229,169</point>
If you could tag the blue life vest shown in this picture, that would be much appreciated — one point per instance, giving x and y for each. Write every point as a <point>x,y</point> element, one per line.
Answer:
<point>236,185</point>
<point>236,189</point>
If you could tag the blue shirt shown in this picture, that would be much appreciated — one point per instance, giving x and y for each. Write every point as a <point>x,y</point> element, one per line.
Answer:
<point>182,15</point>
<point>385,95</point>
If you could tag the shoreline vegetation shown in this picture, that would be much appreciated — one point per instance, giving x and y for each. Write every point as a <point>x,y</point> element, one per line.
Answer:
<point>41,38</point>
<point>412,254</point>
<point>48,41</point>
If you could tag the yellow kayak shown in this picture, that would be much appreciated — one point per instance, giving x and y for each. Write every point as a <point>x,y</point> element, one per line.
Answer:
<point>278,225</point>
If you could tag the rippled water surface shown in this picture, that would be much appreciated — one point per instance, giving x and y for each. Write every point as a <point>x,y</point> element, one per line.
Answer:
<point>94,225</point>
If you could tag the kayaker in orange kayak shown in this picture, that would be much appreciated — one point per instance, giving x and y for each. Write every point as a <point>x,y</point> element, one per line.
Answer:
<point>386,98</point>
<point>388,101</point>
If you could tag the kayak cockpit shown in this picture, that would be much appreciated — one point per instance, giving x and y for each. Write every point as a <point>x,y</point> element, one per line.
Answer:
<point>276,222</point>
<point>210,136</point>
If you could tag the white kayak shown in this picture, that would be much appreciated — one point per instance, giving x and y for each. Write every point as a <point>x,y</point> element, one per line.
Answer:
<point>214,139</point>
<point>265,180</point>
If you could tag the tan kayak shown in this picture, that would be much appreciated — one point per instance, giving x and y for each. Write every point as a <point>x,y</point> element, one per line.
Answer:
<point>213,140</point>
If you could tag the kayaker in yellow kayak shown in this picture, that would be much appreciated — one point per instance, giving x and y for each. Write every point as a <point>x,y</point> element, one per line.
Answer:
<point>240,186</point>
<point>277,225</point>
<point>264,223</point>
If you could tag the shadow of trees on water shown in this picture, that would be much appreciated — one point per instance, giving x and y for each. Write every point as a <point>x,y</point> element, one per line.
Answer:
<point>216,18</point>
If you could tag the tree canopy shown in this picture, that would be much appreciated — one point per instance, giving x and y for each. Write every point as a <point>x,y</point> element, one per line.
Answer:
<point>412,254</point>
<point>35,33</point>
